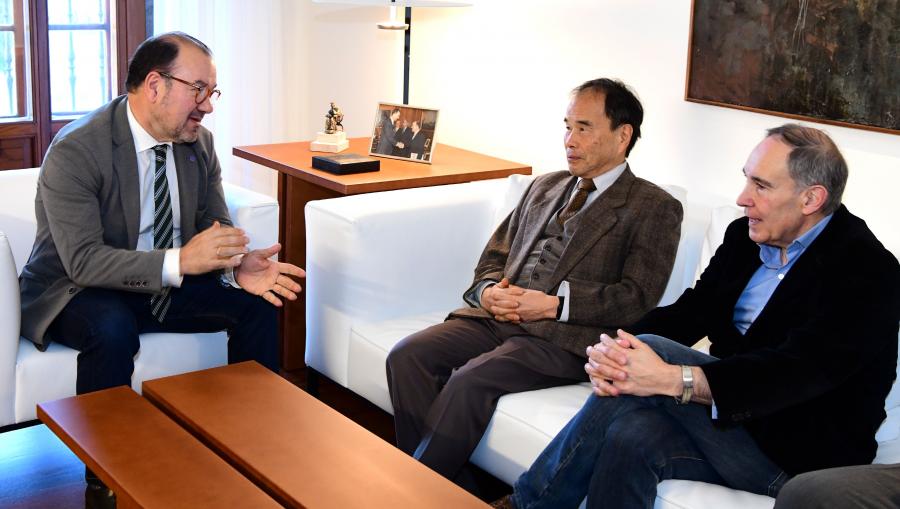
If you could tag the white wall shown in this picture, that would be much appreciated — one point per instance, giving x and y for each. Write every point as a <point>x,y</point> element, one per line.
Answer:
<point>500,72</point>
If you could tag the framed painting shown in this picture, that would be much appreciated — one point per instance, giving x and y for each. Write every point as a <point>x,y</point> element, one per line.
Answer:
<point>830,61</point>
<point>404,132</point>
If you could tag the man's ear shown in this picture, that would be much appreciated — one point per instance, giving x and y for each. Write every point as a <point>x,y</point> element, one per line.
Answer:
<point>153,86</point>
<point>814,198</point>
<point>625,133</point>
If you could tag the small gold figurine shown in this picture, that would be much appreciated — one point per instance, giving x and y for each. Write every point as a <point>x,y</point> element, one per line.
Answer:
<point>333,120</point>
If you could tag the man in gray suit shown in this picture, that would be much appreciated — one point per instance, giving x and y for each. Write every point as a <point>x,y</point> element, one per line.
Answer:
<point>585,251</point>
<point>133,231</point>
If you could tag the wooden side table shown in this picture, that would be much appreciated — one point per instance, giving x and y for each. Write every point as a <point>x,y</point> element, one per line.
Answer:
<point>299,183</point>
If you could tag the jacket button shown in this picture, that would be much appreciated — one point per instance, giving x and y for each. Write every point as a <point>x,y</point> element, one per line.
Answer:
<point>537,276</point>
<point>542,261</point>
<point>71,291</point>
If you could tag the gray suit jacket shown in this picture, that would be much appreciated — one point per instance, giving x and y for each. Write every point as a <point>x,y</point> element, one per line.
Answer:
<point>88,214</point>
<point>617,263</point>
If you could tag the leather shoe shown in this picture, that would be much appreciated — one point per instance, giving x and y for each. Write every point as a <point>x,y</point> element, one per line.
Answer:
<point>503,503</point>
<point>96,494</point>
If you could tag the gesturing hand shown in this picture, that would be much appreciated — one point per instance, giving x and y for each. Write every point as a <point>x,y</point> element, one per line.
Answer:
<point>259,275</point>
<point>217,247</point>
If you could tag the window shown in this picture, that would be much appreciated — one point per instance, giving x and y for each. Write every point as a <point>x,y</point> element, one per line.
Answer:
<point>60,59</point>
<point>13,101</point>
<point>81,60</point>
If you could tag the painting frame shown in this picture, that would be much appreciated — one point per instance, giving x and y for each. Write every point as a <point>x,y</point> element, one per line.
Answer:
<point>411,136</point>
<point>791,65</point>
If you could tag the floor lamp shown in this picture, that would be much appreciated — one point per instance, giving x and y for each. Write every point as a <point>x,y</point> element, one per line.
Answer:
<point>393,23</point>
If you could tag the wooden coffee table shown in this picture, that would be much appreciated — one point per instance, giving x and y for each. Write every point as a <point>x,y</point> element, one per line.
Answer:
<point>297,449</point>
<point>143,456</point>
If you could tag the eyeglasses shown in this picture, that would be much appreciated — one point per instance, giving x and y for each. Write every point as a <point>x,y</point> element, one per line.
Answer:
<point>202,92</point>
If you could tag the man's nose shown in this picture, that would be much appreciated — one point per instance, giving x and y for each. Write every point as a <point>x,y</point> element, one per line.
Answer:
<point>743,199</point>
<point>206,106</point>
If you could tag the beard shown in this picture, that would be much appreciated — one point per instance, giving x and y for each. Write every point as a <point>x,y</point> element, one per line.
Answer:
<point>186,133</point>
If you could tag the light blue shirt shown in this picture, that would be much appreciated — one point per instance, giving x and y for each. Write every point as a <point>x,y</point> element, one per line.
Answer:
<point>767,277</point>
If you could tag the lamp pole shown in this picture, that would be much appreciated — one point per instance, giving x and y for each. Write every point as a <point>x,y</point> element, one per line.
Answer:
<point>406,44</point>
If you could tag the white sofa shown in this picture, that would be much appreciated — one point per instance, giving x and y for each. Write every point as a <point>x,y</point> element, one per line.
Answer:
<point>28,376</point>
<point>381,266</point>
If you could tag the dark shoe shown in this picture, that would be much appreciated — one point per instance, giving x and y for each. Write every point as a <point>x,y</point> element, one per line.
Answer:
<point>96,494</point>
<point>503,503</point>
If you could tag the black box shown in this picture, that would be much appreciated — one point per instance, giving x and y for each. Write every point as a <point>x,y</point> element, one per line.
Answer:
<point>345,164</point>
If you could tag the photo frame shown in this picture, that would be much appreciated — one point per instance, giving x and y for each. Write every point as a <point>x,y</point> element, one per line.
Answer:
<point>404,132</point>
<point>831,62</point>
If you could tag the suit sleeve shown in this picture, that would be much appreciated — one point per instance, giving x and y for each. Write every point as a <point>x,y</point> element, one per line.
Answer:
<point>646,267</point>
<point>70,187</point>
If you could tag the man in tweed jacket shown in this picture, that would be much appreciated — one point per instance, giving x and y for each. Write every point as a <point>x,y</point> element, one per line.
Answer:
<point>585,251</point>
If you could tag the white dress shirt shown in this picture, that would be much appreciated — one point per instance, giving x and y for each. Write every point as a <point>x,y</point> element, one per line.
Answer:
<point>143,145</point>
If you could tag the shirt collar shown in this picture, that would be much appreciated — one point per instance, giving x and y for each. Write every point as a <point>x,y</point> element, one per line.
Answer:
<point>771,255</point>
<point>602,182</point>
<point>142,139</point>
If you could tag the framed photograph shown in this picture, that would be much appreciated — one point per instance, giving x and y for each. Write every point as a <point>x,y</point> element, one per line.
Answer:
<point>404,132</point>
<point>834,62</point>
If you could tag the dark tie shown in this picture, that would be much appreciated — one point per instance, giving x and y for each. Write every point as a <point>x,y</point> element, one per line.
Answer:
<point>585,186</point>
<point>162,225</point>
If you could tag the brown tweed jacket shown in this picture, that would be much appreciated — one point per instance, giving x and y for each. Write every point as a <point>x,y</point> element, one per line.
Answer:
<point>617,263</point>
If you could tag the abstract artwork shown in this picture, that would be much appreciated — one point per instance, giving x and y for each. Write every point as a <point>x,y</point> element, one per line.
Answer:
<point>831,61</point>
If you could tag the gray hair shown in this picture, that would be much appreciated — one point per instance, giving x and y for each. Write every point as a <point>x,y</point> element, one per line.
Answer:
<point>814,160</point>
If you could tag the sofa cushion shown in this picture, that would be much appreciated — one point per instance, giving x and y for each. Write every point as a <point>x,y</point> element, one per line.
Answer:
<point>369,347</point>
<point>50,375</point>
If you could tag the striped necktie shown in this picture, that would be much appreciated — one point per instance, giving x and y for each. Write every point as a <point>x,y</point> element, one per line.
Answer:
<point>162,226</point>
<point>585,186</point>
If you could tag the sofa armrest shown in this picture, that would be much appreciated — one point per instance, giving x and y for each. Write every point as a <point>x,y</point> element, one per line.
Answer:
<point>380,256</point>
<point>10,315</point>
<point>256,213</point>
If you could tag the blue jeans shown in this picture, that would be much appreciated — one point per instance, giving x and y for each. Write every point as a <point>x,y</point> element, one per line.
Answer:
<point>616,451</point>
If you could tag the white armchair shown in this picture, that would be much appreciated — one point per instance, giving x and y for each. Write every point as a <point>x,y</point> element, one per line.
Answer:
<point>28,376</point>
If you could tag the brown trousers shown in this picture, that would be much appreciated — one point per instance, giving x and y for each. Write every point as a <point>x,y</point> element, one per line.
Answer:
<point>445,382</point>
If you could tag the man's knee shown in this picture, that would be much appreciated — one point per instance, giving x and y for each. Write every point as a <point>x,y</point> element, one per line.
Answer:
<point>810,490</point>
<point>641,435</point>
<point>407,352</point>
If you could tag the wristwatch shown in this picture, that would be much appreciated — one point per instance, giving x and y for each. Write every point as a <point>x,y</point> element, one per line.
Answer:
<point>687,383</point>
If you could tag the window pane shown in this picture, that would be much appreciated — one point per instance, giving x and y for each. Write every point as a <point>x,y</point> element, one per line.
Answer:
<point>76,12</point>
<point>6,12</point>
<point>79,71</point>
<point>8,97</point>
